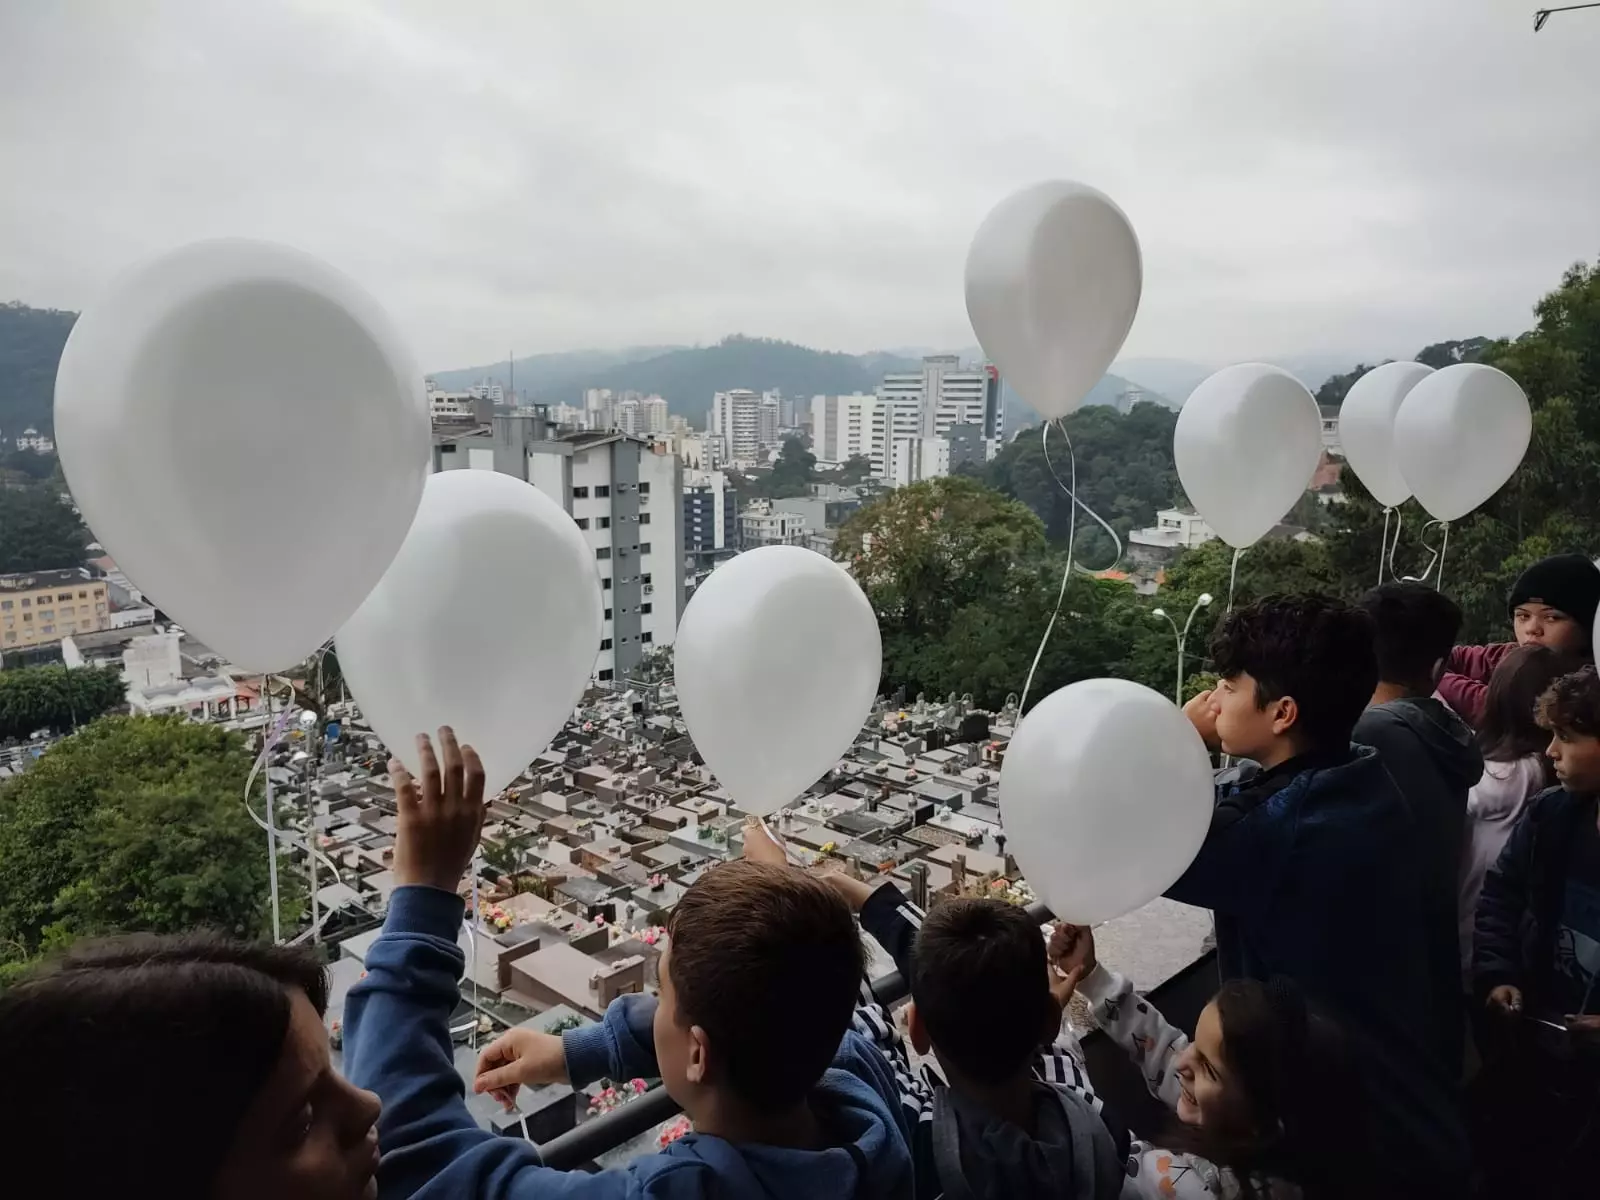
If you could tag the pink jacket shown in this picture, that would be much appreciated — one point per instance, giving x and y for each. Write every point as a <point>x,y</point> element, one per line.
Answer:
<point>1466,678</point>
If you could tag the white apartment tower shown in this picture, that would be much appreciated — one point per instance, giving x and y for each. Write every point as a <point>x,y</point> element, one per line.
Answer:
<point>736,419</point>
<point>625,494</point>
<point>927,404</point>
<point>842,427</point>
<point>656,416</point>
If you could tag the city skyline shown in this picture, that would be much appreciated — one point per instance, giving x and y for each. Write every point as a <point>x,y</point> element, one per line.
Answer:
<point>1368,180</point>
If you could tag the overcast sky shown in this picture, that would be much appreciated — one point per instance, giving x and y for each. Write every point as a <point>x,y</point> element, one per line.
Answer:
<point>1369,177</point>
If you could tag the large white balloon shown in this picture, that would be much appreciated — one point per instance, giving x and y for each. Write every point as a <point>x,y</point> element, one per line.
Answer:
<point>1366,428</point>
<point>488,620</point>
<point>1247,444</point>
<point>1105,797</point>
<point>776,662</point>
<point>244,430</point>
<point>1053,281</point>
<point>1459,435</point>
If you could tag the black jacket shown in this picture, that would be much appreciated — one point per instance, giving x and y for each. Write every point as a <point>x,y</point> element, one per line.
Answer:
<point>1520,909</point>
<point>1430,754</point>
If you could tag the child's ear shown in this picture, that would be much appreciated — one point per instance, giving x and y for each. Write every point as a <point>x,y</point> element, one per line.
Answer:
<point>698,1065</point>
<point>1286,715</point>
<point>919,1034</point>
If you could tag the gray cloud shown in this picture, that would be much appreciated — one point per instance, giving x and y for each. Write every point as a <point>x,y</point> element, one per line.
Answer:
<point>1367,176</point>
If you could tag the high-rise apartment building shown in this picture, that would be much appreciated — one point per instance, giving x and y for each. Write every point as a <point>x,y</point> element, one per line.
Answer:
<point>921,406</point>
<point>842,427</point>
<point>769,421</point>
<point>710,524</point>
<point>736,419</point>
<point>625,493</point>
<point>656,416</point>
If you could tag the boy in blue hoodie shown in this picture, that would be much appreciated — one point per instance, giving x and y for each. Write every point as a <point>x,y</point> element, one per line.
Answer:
<point>751,1035</point>
<point>1314,863</point>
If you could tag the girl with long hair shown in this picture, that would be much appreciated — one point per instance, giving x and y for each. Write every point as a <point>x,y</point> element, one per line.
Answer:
<point>1515,768</point>
<point>1265,1103</point>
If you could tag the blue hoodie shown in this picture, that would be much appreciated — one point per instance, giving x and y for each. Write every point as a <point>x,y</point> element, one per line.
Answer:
<point>397,1044</point>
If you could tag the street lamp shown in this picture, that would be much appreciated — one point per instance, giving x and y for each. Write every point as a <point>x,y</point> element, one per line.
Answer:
<point>1182,636</point>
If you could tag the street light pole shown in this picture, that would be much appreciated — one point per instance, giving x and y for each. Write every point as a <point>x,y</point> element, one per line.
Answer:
<point>1182,638</point>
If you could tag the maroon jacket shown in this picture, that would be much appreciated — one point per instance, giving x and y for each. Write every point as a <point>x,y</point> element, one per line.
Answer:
<point>1466,678</point>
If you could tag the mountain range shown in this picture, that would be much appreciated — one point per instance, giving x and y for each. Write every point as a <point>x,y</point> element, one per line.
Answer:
<point>686,376</point>
<point>31,340</point>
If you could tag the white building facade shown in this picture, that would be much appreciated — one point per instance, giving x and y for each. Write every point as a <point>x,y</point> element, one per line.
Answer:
<point>625,494</point>
<point>842,427</point>
<point>736,419</point>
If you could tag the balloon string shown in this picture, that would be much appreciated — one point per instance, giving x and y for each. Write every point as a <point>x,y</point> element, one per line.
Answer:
<point>1072,493</point>
<point>1433,554</point>
<point>1233,575</point>
<point>1383,545</point>
<point>1444,545</point>
<point>1066,573</point>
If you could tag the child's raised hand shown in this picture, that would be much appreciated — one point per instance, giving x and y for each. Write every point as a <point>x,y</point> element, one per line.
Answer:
<point>439,815</point>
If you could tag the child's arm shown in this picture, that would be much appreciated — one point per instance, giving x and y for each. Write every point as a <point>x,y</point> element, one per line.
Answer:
<point>1139,1028</point>
<point>1465,682</point>
<point>397,1044</point>
<point>1245,848</point>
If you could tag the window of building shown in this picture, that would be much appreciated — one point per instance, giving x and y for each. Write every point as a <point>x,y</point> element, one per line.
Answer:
<point>645,578</point>
<point>647,638</point>
<point>27,618</point>
<point>100,608</point>
<point>605,676</point>
<point>603,553</point>
<point>645,607</point>
<point>83,595</point>
<point>27,602</point>
<point>605,585</point>
<point>583,522</point>
<point>644,547</point>
<point>68,611</point>
<point>644,518</point>
<point>580,493</point>
<point>608,614</point>
<point>49,629</point>
<point>605,643</point>
<point>644,489</point>
<point>601,491</point>
<point>602,523</point>
<point>64,596</point>
<point>5,605</point>
<point>47,614</point>
<point>10,638</point>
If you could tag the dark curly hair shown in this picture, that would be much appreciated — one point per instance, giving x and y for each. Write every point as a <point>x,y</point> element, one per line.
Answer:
<point>1572,705</point>
<point>1311,648</point>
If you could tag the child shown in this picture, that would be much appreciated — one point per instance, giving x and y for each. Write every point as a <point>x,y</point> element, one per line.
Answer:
<point>1311,860</point>
<point>1552,604</point>
<point>219,1060</point>
<point>1265,1100</point>
<point>1536,960</point>
<point>1431,755</point>
<point>1515,768</point>
<point>1010,1124</point>
<point>751,1035</point>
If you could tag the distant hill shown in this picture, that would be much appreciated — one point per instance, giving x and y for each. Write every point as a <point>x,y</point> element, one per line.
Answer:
<point>688,376</point>
<point>30,346</point>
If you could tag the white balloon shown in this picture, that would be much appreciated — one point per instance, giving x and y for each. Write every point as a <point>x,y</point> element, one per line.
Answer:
<point>776,661</point>
<point>1053,281</point>
<point>245,432</point>
<point>1247,443</point>
<point>1366,428</point>
<point>1459,436</point>
<point>1105,797</point>
<point>488,621</point>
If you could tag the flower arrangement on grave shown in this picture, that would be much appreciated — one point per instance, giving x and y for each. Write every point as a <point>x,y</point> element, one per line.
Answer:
<point>719,837</point>
<point>672,1131</point>
<point>612,1097</point>
<point>653,934</point>
<point>570,1021</point>
<point>657,881</point>
<point>496,917</point>
<point>336,1035</point>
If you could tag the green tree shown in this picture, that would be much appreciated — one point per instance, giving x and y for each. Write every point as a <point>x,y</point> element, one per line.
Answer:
<point>1125,474</point>
<point>134,823</point>
<point>38,532</point>
<point>1336,387</point>
<point>56,699</point>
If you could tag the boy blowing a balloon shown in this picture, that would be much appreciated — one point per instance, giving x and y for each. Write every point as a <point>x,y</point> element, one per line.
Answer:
<point>751,1034</point>
<point>1311,862</point>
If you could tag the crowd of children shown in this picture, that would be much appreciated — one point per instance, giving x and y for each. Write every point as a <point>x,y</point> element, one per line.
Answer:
<point>1405,876</point>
